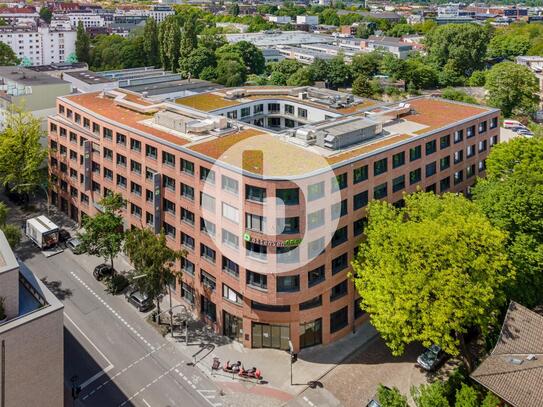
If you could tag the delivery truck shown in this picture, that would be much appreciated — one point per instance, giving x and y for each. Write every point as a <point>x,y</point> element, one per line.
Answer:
<point>42,231</point>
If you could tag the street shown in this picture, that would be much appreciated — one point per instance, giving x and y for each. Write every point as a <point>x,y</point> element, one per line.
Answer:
<point>116,357</point>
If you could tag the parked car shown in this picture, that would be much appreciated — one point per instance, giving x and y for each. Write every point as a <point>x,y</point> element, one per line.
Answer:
<point>102,270</point>
<point>431,358</point>
<point>74,244</point>
<point>63,236</point>
<point>141,301</point>
<point>374,402</point>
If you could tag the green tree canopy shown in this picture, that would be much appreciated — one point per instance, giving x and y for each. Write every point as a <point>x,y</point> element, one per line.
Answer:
<point>249,54</point>
<point>362,87</point>
<point>150,42</point>
<point>302,77</point>
<point>458,95</point>
<point>391,397</point>
<point>82,44</point>
<point>339,73</point>
<point>431,270</point>
<point>286,66</point>
<point>277,79</point>
<point>21,154</point>
<point>195,63</point>
<point>430,395</point>
<point>366,64</point>
<point>512,88</point>
<point>7,56</point>
<point>169,39</point>
<point>508,45</point>
<point>46,14</point>
<point>230,72</point>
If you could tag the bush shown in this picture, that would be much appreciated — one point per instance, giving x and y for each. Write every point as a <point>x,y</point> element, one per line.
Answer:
<point>117,283</point>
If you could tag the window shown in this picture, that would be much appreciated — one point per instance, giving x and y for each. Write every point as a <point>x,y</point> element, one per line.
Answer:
<point>482,165</point>
<point>312,303</point>
<point>270,308</point>
<point>302,113</point>
<point>230,266</point>
<point>168,159</point>
<point>482,127</point>
<point>187,216</point>
<point>135,167</point>
<point>208,308</point>
<point>287,255</point>
<point>459,136</point>
<point>121,160</point>
<point>187,167</point>
<point>315,276</point>
<point>255,194</point>
<point>470,151</point>
<point>445,141</point>
<point>73,137</point>
<point>255,222</point>
<point>207,175</point>
<point>470,171</point>
<point>187,241</point>
<point>258,109</point>
<point>135,210</point>
<point>207,202</point>
<point>151,152</point>
<point>470,131</point>
<point>431,147</point>
<point>458,156</point>
<point>415,176</point>
<point>315,191</point>
<point>96,128</point>
<point>431,169</point>
<point>380,191</point>
<point>360,200</point>
<point>315,248</point>
<point>245,111</point>
<point>339,319</point>
<point>398,159</point>
<point>230,213</point>
<point>398,183</point>
<point>493,122</point>
<point>121,181</point>
<point>444,163</point>
<point>149,218</point>
<point>149,196</point>
<point>231,295</point>
<point>359,226</point>
<point>482,145</point>
<point>187,292</point>
<point>339,263</point>
<point>289,196</point>
<point>288,225</point>
<point>289,109</point>
<point>108,154</point>
<point>169,230</point>
<point>207,280</point>
<point>274,107</point>
<point>230,239</point>
<point>415,153</point>
<point>340,236</point>
<point>338,291</point>
<point>77,118</point>
<point>380,167</point>
<point>86,123</point>
<point>339,182</point>
<point>458,177</point>
<point>85,199</point>
<point>168,206</point>
<point>187,192</point>
<point>256,251</point>
<point>444,184</point>
<point>121,139</point>
<point>315,219</point>
<point>233,114</point>
<point>288,283</point>
<point>360,174</point>
<point>207,227</point>
<point>229,184</point>
<point>135,188</point>
<point>257,280</point>
<point>339,209</point>
<point>108,134</point>
<point>135,145</point>
<point>95,167</point>
<point>187,266</point>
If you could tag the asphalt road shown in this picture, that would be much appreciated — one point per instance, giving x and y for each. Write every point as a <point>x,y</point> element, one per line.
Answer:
<point>118,358</point>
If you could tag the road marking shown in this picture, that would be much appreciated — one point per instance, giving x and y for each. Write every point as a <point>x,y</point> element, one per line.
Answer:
<point>148,385</point>
<point>130,327</point>
<point>103,371</point>
<point>308,401</point>
<point>147,404</point>
<point>124,370</point>
<point>209,397</point>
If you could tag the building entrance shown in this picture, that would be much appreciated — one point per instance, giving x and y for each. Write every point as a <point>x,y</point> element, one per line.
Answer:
<point>270,336</point>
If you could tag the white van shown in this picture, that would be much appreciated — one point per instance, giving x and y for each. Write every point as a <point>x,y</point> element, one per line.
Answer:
<point>508,123</point>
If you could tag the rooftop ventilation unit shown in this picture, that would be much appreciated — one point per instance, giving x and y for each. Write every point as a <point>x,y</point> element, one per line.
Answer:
<point>344,133</point>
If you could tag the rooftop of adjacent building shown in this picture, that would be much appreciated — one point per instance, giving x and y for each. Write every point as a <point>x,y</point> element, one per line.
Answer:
<point>28,77</point>
<point>64,66</point>
<point>190,124</point>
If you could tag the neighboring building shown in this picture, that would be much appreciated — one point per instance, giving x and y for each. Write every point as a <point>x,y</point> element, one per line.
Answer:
<point>304,55</point>
<point>273,38</point>
<point>242,28</point>
<point>19,15</point>
<point>57,70</point>
<point>280,19</point>
<point>272,55</point>
<point>389,44</point>
<point>36,91</point>
<point>309,20</point>
<point>89,19</point>
<point>238,177</point>
<point>88,81</point>
<point>160,12</point>
<point>535,64</point>
<point>40,44</point>
<point>514,370</point>
<point>31,338</point>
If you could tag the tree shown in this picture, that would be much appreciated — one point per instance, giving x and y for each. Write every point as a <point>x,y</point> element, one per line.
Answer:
<point>153,261</point>
<point>430,395</point>
<point>491,401</point>
<point>150,42</point>
<point>398,30</point>
<point>169,38</point>
<point>393,66</point>
<point>277,79</point>
<point>458,95</point>
<point>7,56</point>
<point>512,88</point>
<point>463,44</point>
<point>287,66</point>
<point>103,233</point>
<point>82,44</point>
<point>319,69</point>
<point>477,78</point>
<point>233,9</point>
<point>302,77</point>
<point>512,198</point>
<point>21,154</point>
<point>420,74</point>
<point>391,397</point>
<point>329,17</point>
<point>362,87</point>
<point>46,14</point>
<point>195,63</point>
<point>230,72</point>
<point>366,64</point>
<point>189,39</point>
<point>466,397</point>
<point>248,53</point>
<point>507,46</point>
<point>430,271</point>
<point>12,232</point>
<point>339,73</point>
<point>211,38</point>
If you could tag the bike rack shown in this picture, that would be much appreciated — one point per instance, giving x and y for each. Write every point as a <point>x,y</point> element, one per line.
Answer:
<point>209,347</point>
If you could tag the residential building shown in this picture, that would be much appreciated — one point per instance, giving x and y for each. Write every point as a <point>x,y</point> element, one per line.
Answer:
<point>40,44</point>
<point>31,337</point>
<point>89,19</point>
<point>309,20</point>
<point>279,19</point>
<point>36,91</point>
<point>275,37</point>
<point>266,188</point>
<point>19,15</point>
<point>513,370</point>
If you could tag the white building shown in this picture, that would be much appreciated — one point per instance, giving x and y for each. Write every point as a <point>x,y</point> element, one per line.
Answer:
<point>89,19</point>
<point>309,20</point>
<point>280,19</point>
<point>159,13</point>
<point>40,45</point>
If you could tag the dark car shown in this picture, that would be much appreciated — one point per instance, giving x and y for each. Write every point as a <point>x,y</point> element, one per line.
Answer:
<point>63,236</point>
<point>431,358</point>
<point>141,301</point>
<point>74,244</point>
<point>102,270</point>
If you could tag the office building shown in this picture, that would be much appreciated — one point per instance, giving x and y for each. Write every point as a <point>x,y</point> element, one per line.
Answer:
<point>266,188</point>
